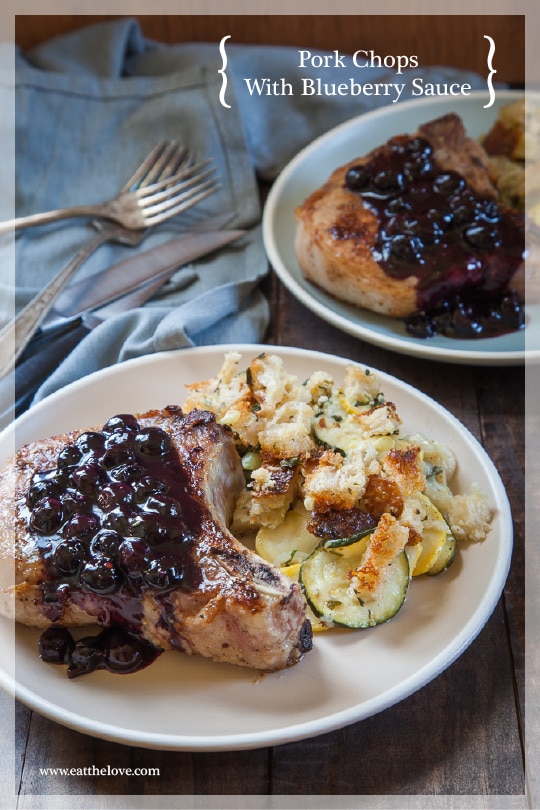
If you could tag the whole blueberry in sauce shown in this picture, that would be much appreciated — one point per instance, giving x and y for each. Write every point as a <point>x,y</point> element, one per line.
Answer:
<point>152,442</point>
<point>86,656</point>
<point>105,543</point>
<point>46,516</point>
<point>69,456</point>
<point>163,573</point>
<point>42,489</point>
<point>82,527</point>
<point>90,442</point>
<point>100,576</point>
<point>133,555</point>
<point>75,503</point>
<point>120,423</point>
<point>68,556</point>
<point>56,645</point>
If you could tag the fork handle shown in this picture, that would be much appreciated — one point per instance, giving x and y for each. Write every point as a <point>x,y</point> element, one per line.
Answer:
<point>105,211</point>
<point>15,336</point>
<point>113,210</point>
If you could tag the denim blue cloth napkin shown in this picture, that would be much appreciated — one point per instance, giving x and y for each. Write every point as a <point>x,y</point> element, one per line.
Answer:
<point>91,104</point>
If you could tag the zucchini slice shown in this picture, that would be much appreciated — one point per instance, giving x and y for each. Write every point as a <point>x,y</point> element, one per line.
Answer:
<point>446,556</point>
<point>288,543</point>
<point>339,542</point>
<point>434,535</point>
<point>318,623</point>
<point>324,578</point>
<point>413,553</point>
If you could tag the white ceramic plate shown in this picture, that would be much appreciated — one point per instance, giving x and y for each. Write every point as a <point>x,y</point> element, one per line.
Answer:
<point>311,168</point>
<point>183,703</point>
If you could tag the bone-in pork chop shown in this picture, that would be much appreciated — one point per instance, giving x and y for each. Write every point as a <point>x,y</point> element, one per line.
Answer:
<point>126,526</point>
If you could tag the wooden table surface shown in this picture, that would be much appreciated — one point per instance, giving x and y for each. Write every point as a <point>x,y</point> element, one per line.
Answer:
<point>461,734</point>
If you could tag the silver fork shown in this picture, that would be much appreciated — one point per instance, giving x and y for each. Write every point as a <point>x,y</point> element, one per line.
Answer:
<point>139,206</point>
<point>162,166</point>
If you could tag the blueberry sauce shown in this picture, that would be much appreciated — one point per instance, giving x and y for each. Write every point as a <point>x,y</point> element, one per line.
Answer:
<point>463,248</point>
<point>112,519</point>
<point>113,649</point>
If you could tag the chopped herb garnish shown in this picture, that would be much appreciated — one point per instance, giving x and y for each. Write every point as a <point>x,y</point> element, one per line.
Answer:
<point>289,462</point>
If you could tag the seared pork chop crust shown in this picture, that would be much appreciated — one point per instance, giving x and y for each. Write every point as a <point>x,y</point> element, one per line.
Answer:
<point>221,600</point>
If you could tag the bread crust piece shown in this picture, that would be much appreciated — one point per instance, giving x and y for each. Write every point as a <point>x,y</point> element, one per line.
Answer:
<point>237,609</point>
<point>336,232</point>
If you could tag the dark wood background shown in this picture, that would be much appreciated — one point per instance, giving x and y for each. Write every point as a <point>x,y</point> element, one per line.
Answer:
<point>454,40</point>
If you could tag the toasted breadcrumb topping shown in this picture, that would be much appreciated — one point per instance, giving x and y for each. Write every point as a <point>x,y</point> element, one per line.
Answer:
<point>387,541</point>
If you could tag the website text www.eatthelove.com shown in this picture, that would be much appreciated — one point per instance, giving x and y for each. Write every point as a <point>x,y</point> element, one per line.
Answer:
<point>95,770</point>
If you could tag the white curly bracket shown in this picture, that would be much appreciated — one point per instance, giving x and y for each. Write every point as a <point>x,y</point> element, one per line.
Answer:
<point>223,72</point>
<point>491,71</point>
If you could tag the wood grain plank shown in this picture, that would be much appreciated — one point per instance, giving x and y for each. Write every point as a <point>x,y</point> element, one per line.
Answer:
<point>153,772</point>
<point>14,737</point>
<point>453,40</point>
<point>501,397</point>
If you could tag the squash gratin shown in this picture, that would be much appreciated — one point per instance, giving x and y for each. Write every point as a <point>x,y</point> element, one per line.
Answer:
<point>513,148</point>
<point>336,493</point>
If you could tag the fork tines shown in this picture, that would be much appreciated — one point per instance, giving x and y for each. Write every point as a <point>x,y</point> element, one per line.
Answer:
<point>180,195</point>
<point>167,158</point>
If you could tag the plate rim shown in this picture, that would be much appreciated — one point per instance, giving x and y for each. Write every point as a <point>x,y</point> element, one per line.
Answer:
<point>305,296</point>
<point>314,727</point>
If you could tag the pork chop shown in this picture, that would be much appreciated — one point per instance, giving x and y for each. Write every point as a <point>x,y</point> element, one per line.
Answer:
<point>410,225</point>
<point>126,526</point>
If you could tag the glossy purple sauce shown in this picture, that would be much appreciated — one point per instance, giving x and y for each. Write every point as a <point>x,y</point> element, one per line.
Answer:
<point>463,248</point>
